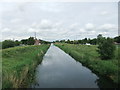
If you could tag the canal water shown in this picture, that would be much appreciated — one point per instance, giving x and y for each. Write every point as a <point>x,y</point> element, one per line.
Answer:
<point>59,70</point>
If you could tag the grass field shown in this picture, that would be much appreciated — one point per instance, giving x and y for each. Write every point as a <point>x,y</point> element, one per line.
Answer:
<point>89,57</point>
<point>19,63</point>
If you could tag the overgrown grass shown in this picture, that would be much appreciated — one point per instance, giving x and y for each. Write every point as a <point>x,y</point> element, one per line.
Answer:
<point>88,56</point>
<point>19,64</point>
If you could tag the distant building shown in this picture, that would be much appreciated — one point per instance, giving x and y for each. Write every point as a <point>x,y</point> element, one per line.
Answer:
<point>37,42</point>
<point>116,43</point>
<point>87,44</point>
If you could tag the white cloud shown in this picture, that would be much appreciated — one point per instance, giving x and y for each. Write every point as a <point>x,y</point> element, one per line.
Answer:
<point>82,30</point>
<point>5,30</point>
<point>56,31</point>
<point>104,13</point>
<point>89,26</point>
<point>51,7</point>
<point>54,21</point>
<point>15,20</point>
<point>45,25</point>
<point>108,28</point>
<point>31,30</point>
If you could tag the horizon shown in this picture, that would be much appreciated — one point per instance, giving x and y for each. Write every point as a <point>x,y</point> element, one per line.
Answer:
<point>58,40</point>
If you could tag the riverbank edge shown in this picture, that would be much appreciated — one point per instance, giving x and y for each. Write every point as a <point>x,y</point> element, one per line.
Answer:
<point>28,71</point>
<point>87,65</point>
<point>31,74</point>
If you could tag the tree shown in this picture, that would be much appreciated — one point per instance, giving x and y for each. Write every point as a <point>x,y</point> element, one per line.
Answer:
<point>106,49</point>
<point>99,39</point>
<point>31,41</point>
<point>68,41</point>
<point>74,42</point>
<point>17,43</point>
<point>24,41</point>
<point>93,41</point>
<point>7,44</point>
<point>117,39</point>
<point>79,41</point>
<point>88,41</point>
<point>62,41</point>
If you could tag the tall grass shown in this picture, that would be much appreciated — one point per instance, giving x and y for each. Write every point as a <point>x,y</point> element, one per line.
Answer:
<point>19,64</point>
<point>88,56</point>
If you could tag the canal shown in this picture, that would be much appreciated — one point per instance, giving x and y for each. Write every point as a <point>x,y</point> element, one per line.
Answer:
<point>59,70</point>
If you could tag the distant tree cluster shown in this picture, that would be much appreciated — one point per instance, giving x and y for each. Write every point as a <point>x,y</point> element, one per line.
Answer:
<point>106,46</point>
<point>93,41</point>
<point>10,43</point>
<point>82,41</point>
<point>29,41</point>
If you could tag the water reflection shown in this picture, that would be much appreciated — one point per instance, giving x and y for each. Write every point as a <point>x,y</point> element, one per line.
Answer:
<point>59,70</point>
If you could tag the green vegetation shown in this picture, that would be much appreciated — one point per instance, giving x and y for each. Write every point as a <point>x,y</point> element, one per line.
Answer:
<point>0,45</point>
<point>117,39</point>
<point>12,43</point>
<point>19,64</point>
<point>29,41</point>
<point>106,48</point>
<point>9,43</point>
<point>88,56</point>
<point>93,41</point>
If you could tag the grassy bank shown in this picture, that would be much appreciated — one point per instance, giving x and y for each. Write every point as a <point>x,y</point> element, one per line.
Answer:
<point>88,56</point>
<point>19,63</point>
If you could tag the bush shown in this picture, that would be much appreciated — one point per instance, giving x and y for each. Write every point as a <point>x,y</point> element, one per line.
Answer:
<point>7,44</point>
<point>17,43</point>
<point>106,49</point>
<point>31,41</point>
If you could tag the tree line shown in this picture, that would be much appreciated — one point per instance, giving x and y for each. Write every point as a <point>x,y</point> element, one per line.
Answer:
<point>105,46</point>
<point>29,41</point>
<point>93,41</point>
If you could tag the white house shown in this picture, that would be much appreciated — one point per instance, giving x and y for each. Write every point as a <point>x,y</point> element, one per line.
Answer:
<point>87,44</point>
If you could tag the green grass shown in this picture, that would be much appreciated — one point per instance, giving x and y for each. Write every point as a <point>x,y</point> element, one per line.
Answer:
<point>89,57</point>
<point>19,63</point>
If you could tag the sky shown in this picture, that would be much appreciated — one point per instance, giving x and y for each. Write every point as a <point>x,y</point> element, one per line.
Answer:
<point>58,20</point>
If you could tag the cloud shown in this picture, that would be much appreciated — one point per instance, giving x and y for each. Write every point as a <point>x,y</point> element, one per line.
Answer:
<point>54,21</point>
<point>89,26</point>
<point>5,30</point>
<point>102,28</point>
<point>31,30</point>
<point>82,30</point>
<point>108,27</point>
<point>49,30</point>
<point>45,25</point>
<point>51,7</point>
<point>16,20</point>
<point>104,13</point>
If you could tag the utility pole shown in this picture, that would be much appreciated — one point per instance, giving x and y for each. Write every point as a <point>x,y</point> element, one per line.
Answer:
<point>35,35</point>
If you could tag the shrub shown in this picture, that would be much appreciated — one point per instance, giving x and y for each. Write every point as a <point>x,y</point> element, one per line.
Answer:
<point>106,49</point>
<point>7,44</point>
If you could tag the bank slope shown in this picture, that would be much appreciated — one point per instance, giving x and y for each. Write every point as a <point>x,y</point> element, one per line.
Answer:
<point>19,63</point>
<point>88,56</point>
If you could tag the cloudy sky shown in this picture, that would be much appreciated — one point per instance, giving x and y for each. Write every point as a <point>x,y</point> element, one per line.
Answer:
<point>58,20</point>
